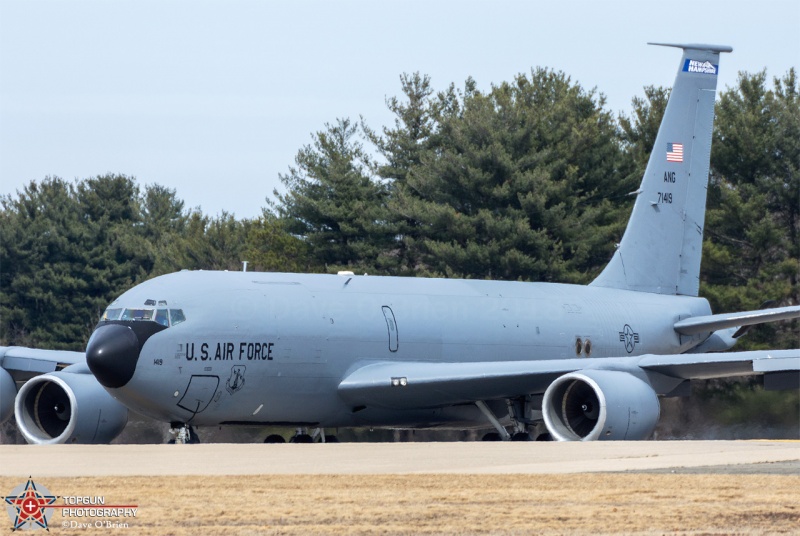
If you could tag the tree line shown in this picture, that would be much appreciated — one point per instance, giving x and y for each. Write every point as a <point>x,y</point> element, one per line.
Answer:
<point>525,181</point>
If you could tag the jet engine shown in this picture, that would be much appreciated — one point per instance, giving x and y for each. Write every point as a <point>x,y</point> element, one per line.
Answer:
<point>600,404</point>
<point>7,391</point>
<point>68,407</point>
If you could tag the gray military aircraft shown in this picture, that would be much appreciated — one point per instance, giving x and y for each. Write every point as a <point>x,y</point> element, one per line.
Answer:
<point>198,348</point>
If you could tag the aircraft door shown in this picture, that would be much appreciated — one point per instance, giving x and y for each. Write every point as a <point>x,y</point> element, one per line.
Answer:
<point>391,326</point>
<point>199,393</point>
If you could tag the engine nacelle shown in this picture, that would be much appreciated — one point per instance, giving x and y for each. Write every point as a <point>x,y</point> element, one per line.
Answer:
<point>67,407</point>
<point>8,390</point>
<point>600,404</point>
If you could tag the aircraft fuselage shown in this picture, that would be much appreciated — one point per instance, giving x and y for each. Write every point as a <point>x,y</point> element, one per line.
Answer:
<point>273,348</point>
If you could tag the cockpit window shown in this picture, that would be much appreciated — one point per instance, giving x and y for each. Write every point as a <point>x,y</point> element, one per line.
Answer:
<point>112,314</point>
<point>176,316</point>
<point>165,317</point>
<point>137,314</point>
<point>162,318</point>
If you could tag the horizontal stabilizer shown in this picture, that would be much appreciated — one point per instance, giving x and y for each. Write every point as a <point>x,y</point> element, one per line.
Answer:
<point>711,323</point>
<point>696,46</point>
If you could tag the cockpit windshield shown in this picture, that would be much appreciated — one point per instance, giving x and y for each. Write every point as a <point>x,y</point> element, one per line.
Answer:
<point>137,314</point>
<point>165,317</point>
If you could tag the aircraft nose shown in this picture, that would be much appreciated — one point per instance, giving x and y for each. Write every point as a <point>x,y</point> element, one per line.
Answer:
<point>112,353</point>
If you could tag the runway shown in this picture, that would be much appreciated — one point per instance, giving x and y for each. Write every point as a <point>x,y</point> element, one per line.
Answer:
<point>743,487</point>
<point>782,457</point>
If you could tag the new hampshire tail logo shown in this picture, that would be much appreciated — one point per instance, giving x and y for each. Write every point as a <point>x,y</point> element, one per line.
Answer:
<point>702,67</point>
<point>27,506</point>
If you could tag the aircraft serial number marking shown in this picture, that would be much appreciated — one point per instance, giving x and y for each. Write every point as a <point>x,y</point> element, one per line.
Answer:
<point>665,197</point>
<point>227,351</point>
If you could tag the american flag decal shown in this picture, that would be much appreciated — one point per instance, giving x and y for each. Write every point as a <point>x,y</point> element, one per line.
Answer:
<point>674,152</point>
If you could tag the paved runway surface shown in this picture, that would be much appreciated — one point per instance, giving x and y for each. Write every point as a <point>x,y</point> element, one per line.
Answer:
<point>782,457</point>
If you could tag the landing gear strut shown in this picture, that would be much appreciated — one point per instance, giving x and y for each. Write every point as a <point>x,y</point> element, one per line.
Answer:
<point>502,433</point>
<point>521,414</point>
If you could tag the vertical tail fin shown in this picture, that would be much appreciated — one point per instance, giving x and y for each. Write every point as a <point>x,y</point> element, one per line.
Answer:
<point>661,249</point>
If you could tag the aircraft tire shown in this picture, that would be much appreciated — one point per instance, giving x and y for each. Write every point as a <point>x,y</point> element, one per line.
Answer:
<point>331,439</point>
<point>492,436</point>
<point>274,438</point>
<point>302,438</point>
<point>521,436</point>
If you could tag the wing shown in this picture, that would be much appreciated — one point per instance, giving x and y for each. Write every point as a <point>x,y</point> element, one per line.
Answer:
<point>416,384</point>
<point>25,363</point>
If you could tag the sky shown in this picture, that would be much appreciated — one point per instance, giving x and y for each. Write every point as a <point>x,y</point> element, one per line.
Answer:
<point>215,98</point>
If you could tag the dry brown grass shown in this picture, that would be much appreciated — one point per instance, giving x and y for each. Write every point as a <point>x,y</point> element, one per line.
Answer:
<point>451,504</point>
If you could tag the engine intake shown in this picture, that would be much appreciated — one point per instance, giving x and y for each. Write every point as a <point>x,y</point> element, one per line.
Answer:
<point>67,407</point>
<point>600,405</point>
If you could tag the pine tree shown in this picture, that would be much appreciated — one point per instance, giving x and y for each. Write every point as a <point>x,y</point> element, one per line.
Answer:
<point>334,204</point>
<point>638,132</point>
<point>513,183</point>
<point>270,248</point>
<point>68,250</point>
<point>751,250</point>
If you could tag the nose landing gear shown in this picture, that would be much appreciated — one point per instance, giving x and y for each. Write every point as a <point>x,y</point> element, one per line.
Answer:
<point>184,434</point>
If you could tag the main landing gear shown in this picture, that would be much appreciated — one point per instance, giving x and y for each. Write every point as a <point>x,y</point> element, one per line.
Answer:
<point>301,435</point>
<point>521,414</point>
